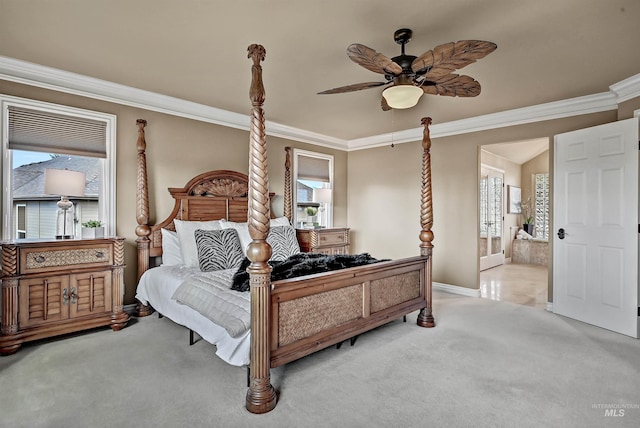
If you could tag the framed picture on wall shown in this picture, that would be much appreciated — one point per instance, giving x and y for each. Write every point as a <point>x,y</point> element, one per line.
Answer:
<point>514,200</point>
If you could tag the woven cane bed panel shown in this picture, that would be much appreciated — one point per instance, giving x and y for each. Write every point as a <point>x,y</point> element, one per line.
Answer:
<point>309,315</point>
<point>393,290</point>
<point>54,258</point>
<point>156,238</point>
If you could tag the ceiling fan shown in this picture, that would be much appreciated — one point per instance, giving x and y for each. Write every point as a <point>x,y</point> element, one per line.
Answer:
<point>408,76</point>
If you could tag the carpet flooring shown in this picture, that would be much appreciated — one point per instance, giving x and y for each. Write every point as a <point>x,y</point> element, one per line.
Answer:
<point>485,364</point>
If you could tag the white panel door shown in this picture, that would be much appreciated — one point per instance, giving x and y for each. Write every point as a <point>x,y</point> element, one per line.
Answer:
<point>595,247</point>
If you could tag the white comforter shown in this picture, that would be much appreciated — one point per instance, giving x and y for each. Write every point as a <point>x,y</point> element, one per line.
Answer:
<point>157,286</point>
<point>210,294</point>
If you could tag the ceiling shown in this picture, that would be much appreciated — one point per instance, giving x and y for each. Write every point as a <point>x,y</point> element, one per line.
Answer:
<point>520,151</point>
<point>548,50</point>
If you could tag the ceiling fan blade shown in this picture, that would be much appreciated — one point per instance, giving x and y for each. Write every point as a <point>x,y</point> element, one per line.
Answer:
<point>372,60</point>
<point>354,87</point>
<point>444,59</point>
<point>454,85</point>
<point>384,105</point>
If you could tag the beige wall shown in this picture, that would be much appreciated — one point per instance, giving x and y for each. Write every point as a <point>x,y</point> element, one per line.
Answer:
<point>384,200</point>
<point>537,165</point>
<point>177,150</point>
<point>384,192</point>
<point>383,184</point>
<point>627,108</point>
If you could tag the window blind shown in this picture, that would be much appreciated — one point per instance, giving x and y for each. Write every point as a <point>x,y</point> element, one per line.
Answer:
<point>34,130</point>
<point>315,169</point>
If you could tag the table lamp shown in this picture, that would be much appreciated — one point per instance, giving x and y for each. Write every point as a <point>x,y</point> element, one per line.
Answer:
<point>64,183</point>
<point>323,196</point>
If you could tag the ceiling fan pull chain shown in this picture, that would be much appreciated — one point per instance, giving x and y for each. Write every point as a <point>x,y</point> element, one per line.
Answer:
<point>392,128</point>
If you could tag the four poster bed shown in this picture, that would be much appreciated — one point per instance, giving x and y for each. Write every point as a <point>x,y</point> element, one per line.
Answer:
<point>287,319</point>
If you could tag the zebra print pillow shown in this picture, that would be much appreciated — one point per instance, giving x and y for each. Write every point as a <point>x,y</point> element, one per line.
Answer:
<point>283,241</point>
<point>218,249</point>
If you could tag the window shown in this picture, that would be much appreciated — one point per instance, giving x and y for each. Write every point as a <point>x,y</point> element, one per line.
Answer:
<point>541,191</point>
<point>38,135</point>
<point>313,189</point>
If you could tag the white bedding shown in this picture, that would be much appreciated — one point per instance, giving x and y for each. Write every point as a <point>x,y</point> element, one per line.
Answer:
<point>211,295</point>
<point>156,287</point>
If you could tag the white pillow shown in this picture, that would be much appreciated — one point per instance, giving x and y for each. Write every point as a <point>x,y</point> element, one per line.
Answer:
<point>171,254</point>
<point>279,221</point>
<point>243,229</point>
<point>186,230</point>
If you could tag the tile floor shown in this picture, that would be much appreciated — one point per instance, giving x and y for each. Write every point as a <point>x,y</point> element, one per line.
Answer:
<point>524,284</point>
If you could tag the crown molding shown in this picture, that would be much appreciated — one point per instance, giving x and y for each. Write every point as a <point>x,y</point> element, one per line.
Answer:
<point>63,81</point>
<point>77,84</point>
<point>541,112</point>
<point>296,134</point>
<point>627,89</point>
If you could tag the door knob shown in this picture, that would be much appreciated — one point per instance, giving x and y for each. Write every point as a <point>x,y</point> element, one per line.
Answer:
<point>561,233</point>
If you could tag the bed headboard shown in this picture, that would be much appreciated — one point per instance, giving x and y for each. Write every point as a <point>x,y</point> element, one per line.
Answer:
<point>212,195</point>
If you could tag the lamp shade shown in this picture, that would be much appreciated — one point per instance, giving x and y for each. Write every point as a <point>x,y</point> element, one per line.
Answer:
<point>322,195</point>
<point>63,182</point>
<point>402,96</point>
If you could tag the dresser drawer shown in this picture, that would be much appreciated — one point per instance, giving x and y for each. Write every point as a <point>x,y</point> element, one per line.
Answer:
<point>332,238</point>
<point>34,260</point>
<point>326,241</point>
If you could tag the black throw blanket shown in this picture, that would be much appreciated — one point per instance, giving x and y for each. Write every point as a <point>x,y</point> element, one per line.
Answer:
<point>302,264</point>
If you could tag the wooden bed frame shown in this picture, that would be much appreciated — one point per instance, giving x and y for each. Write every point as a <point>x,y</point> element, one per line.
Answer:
<point>295,317</point>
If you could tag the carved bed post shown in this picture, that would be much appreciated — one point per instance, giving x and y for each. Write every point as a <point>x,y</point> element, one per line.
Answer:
<point>142,210</point>
<point>288,199</point>
<point>119,318</point>
<point>425,318</point>
<point>261,396</point>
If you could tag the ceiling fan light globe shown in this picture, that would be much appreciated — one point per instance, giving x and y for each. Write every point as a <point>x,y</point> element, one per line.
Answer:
<point>402,96</point>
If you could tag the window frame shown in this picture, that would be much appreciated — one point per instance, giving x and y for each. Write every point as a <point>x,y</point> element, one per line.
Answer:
<point>107,198</point>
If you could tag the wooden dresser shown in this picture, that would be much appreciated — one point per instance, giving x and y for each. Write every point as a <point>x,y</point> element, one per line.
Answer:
<point>57,287</point>
<point>325,241</point>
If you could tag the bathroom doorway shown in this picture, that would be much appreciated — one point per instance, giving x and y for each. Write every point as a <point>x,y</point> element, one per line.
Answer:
<point>521,278</point>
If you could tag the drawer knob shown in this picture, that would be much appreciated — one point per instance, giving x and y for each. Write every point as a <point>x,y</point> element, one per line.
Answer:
<point>39,259</point>
<point>99,254</point>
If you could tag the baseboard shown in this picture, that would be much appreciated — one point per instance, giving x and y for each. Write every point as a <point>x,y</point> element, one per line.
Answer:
<point>456,289</point>
<point>550,306</point>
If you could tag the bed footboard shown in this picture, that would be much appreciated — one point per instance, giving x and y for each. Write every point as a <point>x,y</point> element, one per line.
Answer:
<point>324,309</point>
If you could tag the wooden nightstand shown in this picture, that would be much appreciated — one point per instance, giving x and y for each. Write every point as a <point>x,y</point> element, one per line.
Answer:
<point>56,287</point>
<point>325,241</point>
